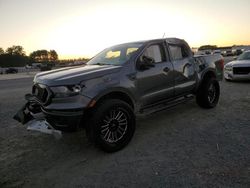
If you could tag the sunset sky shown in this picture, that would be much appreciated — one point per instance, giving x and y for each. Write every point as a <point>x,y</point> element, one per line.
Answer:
<point>81,28</point>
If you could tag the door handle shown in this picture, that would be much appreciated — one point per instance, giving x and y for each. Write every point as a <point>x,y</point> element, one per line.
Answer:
<point>166,69</point>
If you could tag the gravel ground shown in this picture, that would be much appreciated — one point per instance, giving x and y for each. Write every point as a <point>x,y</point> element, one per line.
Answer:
<point>185,146</point>
<point>18,75</point>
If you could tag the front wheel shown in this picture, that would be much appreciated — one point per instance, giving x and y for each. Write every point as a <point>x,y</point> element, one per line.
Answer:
<point>112,125</point>
<point>208,94</point>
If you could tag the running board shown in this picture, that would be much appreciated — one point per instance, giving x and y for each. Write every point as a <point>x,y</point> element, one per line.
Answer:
<point>165,105</point>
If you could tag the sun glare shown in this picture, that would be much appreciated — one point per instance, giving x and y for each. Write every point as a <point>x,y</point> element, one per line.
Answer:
<point>89,33</point>
<point>83,28</point>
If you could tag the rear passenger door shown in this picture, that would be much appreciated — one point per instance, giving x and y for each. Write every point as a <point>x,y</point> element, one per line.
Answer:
<point>157,82</point>
<point>184,71</point>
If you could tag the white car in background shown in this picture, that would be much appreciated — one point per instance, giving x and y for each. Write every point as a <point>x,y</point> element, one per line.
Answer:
<point>238,69</point>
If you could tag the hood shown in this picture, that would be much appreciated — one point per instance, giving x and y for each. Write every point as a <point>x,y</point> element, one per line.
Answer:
<point>74,75</point>
<point>239,63</point>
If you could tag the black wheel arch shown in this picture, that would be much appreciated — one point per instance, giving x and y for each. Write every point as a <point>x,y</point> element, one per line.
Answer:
<point>208,74</point>
<point>116,94</point>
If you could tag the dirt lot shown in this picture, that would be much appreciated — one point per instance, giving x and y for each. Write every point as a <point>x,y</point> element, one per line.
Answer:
<point>18,75</point>
<point>185,146</point>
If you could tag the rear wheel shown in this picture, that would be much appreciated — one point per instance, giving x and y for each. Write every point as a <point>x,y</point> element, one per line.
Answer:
<point>112,125</point>
<point>208,93</point>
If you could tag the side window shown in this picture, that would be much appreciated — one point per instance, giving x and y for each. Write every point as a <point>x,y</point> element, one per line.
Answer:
<point>178,52</point>
<point>184,51</point>
<point>175,52</point>
<point>155,52</point>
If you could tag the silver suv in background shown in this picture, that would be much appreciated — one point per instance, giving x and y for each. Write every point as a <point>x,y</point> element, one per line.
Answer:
<point>239,69</point>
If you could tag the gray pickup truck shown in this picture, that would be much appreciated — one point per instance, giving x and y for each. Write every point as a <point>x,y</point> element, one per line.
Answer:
<point>123,81</point>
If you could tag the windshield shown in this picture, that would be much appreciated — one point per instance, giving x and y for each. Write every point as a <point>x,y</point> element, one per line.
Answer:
<point>244,56</point>
<point>116,55</point>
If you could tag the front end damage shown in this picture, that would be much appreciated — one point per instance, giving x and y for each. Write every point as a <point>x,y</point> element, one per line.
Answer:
<point>32,116</point>
<point>47,114</point>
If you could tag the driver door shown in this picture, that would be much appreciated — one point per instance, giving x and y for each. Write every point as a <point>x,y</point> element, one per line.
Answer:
<point>157,82</point>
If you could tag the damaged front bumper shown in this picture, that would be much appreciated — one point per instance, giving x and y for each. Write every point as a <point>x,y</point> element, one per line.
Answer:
<point>36,121</point>
<point>51,120</point>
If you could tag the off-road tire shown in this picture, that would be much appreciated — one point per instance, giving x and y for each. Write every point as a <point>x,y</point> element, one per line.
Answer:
<point>102,118</point>
<point>203,97</point>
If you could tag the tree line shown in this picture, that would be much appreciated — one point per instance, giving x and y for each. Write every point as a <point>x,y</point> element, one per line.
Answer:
<point>208,47</point>
<point>15,56</point>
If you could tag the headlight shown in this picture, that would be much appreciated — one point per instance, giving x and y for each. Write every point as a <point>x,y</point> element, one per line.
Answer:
<point>66,91</point>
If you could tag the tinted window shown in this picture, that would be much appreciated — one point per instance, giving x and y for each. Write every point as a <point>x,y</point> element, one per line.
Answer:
<point>155,52</point>
<point>175,52</point>
<point>178,52</point>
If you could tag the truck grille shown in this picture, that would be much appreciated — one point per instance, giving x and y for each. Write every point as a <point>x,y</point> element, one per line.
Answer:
<point>241,70</point>
<point>40,92</point>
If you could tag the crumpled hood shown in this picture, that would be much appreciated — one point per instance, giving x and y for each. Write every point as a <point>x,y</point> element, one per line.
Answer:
<point>74,75</point>
<point>239,63</point>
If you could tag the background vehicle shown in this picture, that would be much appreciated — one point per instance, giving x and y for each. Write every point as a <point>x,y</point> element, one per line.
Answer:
<point>207,52</point>
<point>45,67</point>
<point>216,52</point>
<point>121,82</point>
<point>227,53</point>
<point>11,70</point>
<point>237,52</point>
<point>238,69</point>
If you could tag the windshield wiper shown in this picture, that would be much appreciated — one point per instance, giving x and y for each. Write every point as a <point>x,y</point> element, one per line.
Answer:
<point>99,64</point>
<point>102,64</point>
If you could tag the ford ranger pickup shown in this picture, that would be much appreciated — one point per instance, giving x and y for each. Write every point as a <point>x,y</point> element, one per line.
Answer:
<point>105,95</point>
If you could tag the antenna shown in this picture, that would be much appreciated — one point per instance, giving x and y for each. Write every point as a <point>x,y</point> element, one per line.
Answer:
<point>163,35</point>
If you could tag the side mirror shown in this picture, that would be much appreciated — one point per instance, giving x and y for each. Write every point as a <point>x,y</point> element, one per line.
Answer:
<point>145,62</point>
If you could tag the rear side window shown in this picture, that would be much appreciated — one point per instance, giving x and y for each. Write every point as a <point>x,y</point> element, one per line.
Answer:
<point>178,51</point>
<point>155,52</point>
